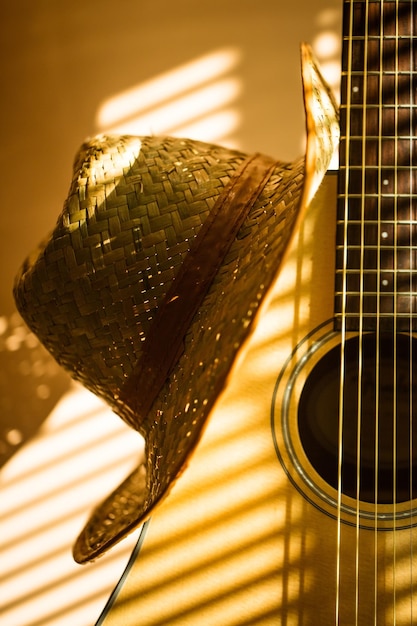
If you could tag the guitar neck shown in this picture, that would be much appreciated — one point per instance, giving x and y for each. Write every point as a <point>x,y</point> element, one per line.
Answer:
<point>376,222</point>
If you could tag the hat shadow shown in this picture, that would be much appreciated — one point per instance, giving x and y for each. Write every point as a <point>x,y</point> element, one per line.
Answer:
<point>31,384</point>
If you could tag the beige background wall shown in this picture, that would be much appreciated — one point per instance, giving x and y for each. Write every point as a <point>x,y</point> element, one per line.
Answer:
<point>61,60</point>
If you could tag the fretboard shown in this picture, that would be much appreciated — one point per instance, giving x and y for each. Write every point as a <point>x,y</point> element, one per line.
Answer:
<point>376,283</point>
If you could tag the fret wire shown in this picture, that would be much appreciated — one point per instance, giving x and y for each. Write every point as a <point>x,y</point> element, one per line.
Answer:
<point>387,316</point>
<point>374,137</point>
<point>387,107</point>
<point>374,74</point>
<point>370,272</point>
<point>375,295</point>
<point>374,272</point>
<point>386,222</point>
<point>384,168</point>
<point>376,247</point>
<point>379,38</point>
<point>375,195</point>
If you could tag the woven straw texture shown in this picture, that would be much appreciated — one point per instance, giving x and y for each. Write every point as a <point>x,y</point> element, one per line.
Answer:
<point>91,291</point>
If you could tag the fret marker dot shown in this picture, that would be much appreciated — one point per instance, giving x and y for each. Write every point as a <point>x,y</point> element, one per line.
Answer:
<point>384,235</point>
<point>385,181</point>
<point>355,89</point>
<point>385,282</point>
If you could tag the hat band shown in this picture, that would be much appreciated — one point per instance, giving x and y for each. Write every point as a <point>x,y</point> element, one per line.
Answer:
<point>164,343</point>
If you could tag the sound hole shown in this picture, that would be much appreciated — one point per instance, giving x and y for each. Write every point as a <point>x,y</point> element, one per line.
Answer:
<point>382,400</point>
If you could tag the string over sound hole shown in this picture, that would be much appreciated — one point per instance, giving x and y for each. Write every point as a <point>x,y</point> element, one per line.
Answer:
<point>379,405</point>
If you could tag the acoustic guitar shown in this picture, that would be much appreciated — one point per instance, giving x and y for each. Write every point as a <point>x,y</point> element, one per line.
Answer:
<point>299,505</point>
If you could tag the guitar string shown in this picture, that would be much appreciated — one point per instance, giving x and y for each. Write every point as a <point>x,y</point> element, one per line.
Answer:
<point>411,299</point>
<point>378,311</point>
<point>395,287</point>
<point>348,87</point>
<point>412,227</point>
<point>361,308</point>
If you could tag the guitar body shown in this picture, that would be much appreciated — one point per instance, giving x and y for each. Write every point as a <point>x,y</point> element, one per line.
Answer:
<point>243,538</point>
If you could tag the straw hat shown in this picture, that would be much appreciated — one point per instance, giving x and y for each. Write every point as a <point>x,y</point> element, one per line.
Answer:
<point>150,283</point>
